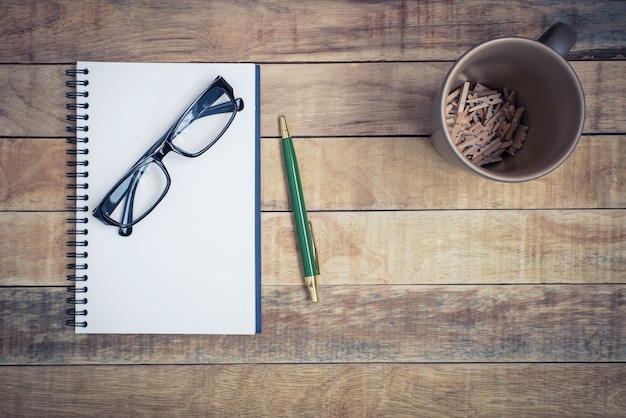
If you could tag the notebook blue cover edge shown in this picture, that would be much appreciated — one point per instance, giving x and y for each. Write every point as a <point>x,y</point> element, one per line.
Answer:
<point>258,196</point>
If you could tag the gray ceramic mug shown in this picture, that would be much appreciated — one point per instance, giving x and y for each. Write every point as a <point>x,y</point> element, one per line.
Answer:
<point>545,84</point>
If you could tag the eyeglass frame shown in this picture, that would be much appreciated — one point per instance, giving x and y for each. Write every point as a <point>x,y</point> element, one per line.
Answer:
<point>158,151</point>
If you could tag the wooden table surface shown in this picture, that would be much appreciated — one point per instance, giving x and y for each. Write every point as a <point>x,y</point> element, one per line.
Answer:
<point>442,294</point>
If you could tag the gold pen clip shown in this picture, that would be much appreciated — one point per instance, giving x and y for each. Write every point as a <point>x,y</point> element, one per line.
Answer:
<point>311,281</point>
<point>317,265</point>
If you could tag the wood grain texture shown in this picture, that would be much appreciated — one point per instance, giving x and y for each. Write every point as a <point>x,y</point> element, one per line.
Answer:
<point>33,100</point>
<point>350,324</point>
<point>362,390</point>
<point>405,247</point>
<point>327,30</point>
<point>438,247</point>
<point>326,99</point>
<point>387,99</point>
<point>32,249</point>
<point>33,174</point>
<point>441,294</point>
<point>407,174</point>
<point>392,173</point>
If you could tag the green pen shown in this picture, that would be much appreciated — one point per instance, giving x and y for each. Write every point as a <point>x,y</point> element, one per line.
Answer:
<point>303,227</point>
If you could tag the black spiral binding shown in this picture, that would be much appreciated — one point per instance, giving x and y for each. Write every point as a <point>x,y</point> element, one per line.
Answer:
<point>77,196</point>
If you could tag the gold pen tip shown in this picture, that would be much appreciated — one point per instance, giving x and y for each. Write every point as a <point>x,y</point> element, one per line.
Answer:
<point>283,127</point>
<point>311,284</point>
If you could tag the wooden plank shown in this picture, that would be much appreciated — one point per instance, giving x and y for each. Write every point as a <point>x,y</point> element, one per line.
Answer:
<point>380,99</point>
<point>33,100</point>
<point>327,30</point>
<point>369,324</point>
<point>395,98</point>
<point>435,390</point>
<point>33,174</point>
<point>32,249</point>
<point>599,94</point>
<point>407,247</point>
<point>408,174</point>
<point>455,247</point>
<point>358,174</point>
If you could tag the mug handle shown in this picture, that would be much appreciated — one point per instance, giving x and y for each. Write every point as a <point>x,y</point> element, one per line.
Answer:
<point>560,37</point>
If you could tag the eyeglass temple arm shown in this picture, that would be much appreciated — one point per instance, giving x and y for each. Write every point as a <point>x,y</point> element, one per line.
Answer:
<point>203,108</point>
<point>221,108</point>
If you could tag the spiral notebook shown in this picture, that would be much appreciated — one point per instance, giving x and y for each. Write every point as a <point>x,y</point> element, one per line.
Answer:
<point>192,264</point>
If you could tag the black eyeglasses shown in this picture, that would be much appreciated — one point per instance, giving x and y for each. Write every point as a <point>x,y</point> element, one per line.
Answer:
<point>137,193</point>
